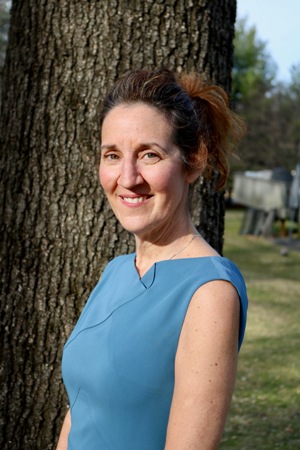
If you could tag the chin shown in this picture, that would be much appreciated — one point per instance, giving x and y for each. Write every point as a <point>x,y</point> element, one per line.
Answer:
<point>135,228</point>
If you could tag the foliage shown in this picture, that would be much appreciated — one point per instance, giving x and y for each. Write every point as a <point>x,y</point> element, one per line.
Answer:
<point>265,409</point>
<point>253,67</point>
<point>295,100</point>
<point>4,25</point>
<point>271,109</point>
<point>295,80</point>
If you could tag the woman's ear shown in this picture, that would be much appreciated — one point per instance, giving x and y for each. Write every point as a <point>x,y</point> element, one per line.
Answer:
<point>192,176</point>
<point>198,164</point>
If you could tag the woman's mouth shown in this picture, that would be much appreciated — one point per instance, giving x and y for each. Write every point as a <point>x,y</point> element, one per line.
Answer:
<point>135,199</point>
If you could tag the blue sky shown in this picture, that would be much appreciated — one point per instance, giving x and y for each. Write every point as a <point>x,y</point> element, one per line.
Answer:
<point>278,23</point>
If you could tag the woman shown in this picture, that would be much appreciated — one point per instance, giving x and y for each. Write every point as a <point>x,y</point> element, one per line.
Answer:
<point>151,363</point>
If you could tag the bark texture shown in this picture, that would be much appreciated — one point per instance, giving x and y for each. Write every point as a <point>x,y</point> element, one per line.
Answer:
<point>57,232</point>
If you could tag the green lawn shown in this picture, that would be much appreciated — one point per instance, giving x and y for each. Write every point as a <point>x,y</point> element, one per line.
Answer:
<point>265,411</point>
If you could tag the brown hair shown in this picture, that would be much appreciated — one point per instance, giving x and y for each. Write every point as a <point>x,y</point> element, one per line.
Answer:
<point>204,128</point>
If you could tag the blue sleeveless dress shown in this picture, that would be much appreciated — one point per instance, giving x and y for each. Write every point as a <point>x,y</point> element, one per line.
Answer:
<point>118,364</point>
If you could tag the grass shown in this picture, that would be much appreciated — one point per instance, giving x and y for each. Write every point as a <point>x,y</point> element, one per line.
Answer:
<point>265,410</point>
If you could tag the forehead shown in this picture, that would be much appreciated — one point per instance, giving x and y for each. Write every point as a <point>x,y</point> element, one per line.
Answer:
<point>138,117</point>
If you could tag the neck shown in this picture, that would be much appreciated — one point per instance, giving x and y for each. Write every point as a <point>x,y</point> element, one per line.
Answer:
<point>168,246</point>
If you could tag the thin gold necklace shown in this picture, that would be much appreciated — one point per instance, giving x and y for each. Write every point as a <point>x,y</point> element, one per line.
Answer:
<point>194,237</point>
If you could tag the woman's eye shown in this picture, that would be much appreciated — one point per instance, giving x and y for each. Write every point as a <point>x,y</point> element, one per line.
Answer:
<point>111,156</point>
<point>150,156</point>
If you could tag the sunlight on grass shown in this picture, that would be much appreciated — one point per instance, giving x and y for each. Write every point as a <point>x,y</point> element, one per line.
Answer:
<point>265,411</point>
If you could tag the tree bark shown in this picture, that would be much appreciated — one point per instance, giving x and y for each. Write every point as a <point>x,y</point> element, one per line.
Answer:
<point>57,231</point>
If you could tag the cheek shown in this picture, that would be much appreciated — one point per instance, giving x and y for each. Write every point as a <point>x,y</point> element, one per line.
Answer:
<point>170,181</point>
<point>105,177</point>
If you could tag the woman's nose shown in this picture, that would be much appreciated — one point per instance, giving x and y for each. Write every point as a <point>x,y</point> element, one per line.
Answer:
<point>130,175</point>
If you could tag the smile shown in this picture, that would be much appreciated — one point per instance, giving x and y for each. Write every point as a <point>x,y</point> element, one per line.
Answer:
<point>135,199</point>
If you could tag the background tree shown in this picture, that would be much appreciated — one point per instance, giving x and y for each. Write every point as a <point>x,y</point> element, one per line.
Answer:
<point>270,108</point>
<point>56,229</point>
<point>288,124</point>
<point>4,24</point>
<point>253,68</point>
<point>252,76</point>
<point>283,127</point>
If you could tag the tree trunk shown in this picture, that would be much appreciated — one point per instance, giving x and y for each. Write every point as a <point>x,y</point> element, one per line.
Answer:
<point>57,231</point>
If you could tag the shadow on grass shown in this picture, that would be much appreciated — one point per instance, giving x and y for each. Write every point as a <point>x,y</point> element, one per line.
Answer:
<point>260,260</point>
<point>265,410</point>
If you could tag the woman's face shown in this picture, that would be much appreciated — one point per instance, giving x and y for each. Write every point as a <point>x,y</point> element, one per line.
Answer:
<point>141,171</point>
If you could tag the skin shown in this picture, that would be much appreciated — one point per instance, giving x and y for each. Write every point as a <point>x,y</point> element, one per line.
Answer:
<point>140,164</point>
<point>205,369</point>
<point>147,187</point>
<point>63,437</point>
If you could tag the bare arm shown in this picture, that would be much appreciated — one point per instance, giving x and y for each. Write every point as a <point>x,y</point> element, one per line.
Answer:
<point>63,437</point>
<point>205,369</point>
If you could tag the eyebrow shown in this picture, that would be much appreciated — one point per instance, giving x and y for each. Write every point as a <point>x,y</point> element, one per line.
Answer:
<point>107,147</point>
<point>141,146</point>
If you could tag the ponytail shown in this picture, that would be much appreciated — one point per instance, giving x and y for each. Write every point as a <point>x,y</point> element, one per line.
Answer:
<point>220,129</point>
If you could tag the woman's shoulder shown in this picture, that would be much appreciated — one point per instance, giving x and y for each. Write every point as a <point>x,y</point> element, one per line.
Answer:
<point>226,267</point>
<point>210,266</point>
<point>227,271</point>
<point>198,272</point>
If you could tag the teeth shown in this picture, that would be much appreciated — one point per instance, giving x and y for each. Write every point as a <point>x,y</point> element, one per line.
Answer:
<point>135,199</point>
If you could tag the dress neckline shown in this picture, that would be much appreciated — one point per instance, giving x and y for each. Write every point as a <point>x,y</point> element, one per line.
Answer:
<point>148,278</point>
